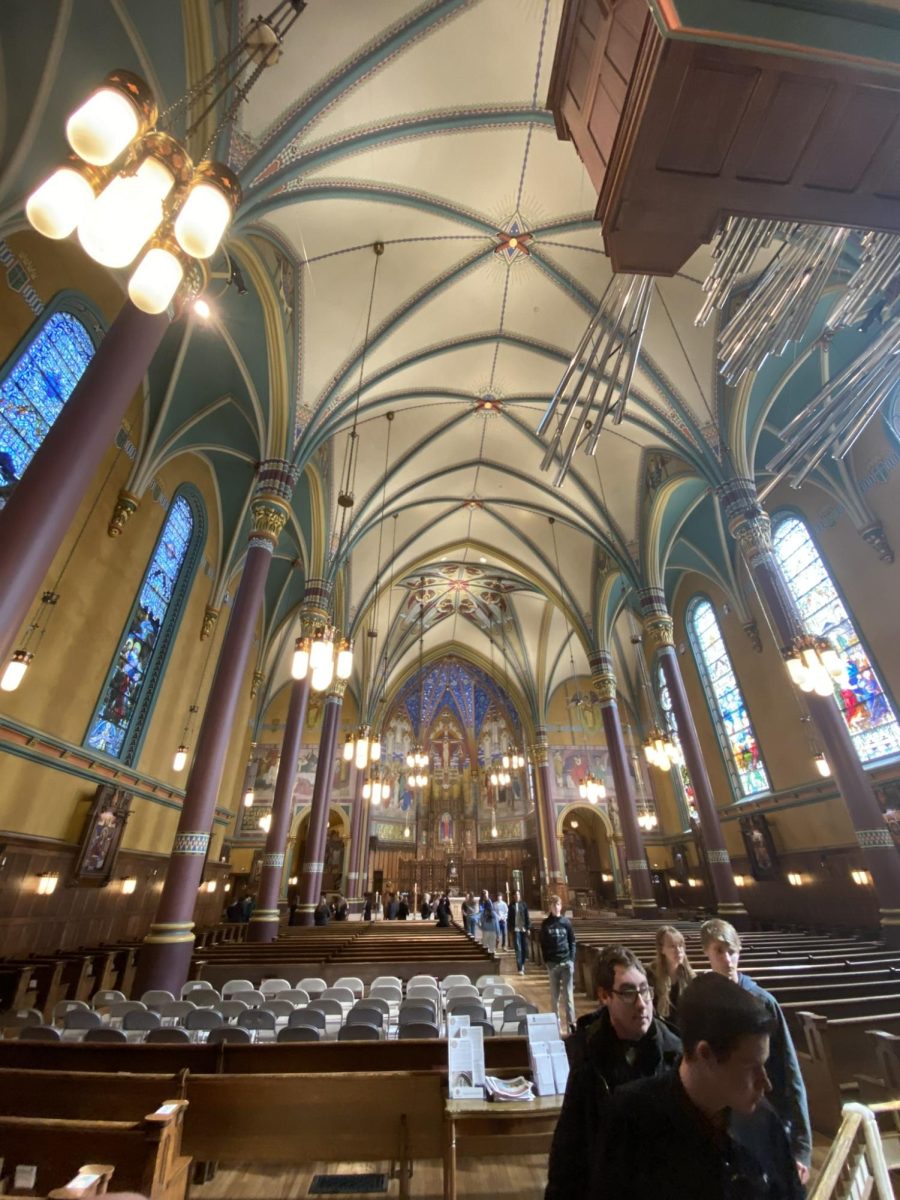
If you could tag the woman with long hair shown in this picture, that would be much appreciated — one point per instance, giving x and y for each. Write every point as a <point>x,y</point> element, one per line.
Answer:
<point>671,972</point>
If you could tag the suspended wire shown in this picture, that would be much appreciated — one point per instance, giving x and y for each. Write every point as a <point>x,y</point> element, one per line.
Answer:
<point>384,653</point>
<point>552,521</point>
<point>373,623</point>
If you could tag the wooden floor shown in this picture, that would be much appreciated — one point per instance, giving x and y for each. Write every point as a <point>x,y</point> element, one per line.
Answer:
<point>513,1178</point>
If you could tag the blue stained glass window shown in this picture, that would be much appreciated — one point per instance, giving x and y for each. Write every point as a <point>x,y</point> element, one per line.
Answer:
<point>726,701</point>
<point>123,692</point>
<point>33,394</point>
<point>859,695</point>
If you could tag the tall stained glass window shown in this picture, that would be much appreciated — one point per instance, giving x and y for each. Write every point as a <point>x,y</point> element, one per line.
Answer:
<point>681,780</point>
<point>125,701</point>
<point>32,395</point>
<point>859,695</point>
<point>726,701</point>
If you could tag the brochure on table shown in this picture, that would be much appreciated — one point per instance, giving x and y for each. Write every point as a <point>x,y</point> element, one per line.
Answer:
<point>465,1050</point>
<point>547,1054</point>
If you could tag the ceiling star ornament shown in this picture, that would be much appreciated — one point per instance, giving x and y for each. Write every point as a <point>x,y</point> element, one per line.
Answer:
<point>603,366</point>
<point>513,240</point>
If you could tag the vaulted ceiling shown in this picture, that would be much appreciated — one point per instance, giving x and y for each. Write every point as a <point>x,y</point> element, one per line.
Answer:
<point>420,126</point>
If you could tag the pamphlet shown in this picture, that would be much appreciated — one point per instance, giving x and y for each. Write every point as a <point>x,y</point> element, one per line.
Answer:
<point>465,1050</point>
<point>547,1054</point>
<point>508,1089</point>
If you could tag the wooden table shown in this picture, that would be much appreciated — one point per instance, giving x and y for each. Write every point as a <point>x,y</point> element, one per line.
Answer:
<point>485,1128</point>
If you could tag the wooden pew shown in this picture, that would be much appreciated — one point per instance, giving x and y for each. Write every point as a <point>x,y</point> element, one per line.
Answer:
<point>86,1095</point>
<point>146,1153</point>
<point>161,1059</point>
<point>15,983</point>
<point>297,1120</point>
<point>833,1053</point>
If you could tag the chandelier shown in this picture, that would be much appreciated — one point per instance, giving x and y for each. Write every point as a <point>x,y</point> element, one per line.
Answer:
<point>376,788</point>
<point>592,789</point>
<point>417,762</point>
<point>131,189</point>
<point>647,818</point>
<point>661,751</point>
<point>813,664</point>
<point>322,656</point>
<point>362,748</point>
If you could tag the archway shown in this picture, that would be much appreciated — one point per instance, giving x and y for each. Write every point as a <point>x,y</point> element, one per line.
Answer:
<point>337,848</point>
<point>587,848</point>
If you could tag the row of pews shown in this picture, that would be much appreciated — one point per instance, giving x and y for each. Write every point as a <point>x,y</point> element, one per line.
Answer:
<point>840,996</point>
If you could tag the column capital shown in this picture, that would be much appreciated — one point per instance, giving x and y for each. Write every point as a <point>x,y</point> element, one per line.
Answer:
<point>256,683</point>
<point>603,676</point>
<point>748,522</point>
<point>209,623</point>
<point>659,628</point>
<point>315,609</point>
<point>268,516</point>
<point>336,689</point>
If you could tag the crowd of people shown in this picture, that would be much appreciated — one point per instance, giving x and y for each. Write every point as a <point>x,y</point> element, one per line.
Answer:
<point>681,1083</point>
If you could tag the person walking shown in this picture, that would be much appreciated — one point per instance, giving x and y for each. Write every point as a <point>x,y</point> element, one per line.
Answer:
<point>322,912</point>
<point>488,925</point>
<point>519,926</point>
<point>501,911</point>
<point>444,912</point>
<point>671,973</point>
<point>558,949</point>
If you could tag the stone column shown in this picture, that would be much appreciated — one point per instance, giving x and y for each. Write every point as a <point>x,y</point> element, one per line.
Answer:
<point>45,501</point>
<point>310,883</point>
<point>166,954</point>
<point>604,681</point>
<point>658,629</point>
<point>750,525</point>
<point>620,879</point>
<point>553,875</point>
<point>354,898</point>
<point>264,918</point>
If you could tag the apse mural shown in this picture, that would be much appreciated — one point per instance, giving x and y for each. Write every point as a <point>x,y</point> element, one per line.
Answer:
<point>858,693</point>
<point>726,702</point>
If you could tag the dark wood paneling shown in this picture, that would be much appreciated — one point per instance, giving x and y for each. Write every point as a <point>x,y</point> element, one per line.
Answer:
<point>83,916</point>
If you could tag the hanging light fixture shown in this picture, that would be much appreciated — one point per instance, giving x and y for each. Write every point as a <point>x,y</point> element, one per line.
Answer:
<point>131,189</point>
<point>512,759</point>
<point>813,664</point>
<point>417,759</point>
<point>660,748</point>
<point>265,822</point>
<point>592,789</point>
<point>249,789</point>
<point>180,760</point>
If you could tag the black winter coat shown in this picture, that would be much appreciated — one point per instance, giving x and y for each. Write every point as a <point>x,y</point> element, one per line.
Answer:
<point>598,1064</point>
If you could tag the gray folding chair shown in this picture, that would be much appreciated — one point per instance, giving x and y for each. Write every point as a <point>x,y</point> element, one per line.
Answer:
<point>107,996</point>
<point>203,1018</point>
<point>206,998</point>
<point>156,996</point>
<point>356,986</point>
<point>105,1035</point>
<point>195,985</point>
<point>20,1018</point>
<point>234,987</point>
<point>232,1009</point>
<point>257,1019</point>
<point>39,1033</point>
<point>227,1033</point>
<point>419,1029</point>
<point>141,1020</point>
<point>81,1018</point>
<point>168,1033</point>
<point>473,1009</point>
<point>66,1006</point>
<point>412,1014</point>
<point>274,987</point>
<point>177,1010</point>
<point>361,1015</point>
<point>359,1033</point>
<point>121,1008</point>
<point>309,1017</point>
<point>299,1033</point>
<point>295,996</point>
<point>312,986</point>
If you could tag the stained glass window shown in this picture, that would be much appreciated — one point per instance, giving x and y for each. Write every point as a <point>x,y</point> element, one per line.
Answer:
<point>726,701</point>
<point>140,643</point>
<point>859,695</point>
<point>33,394</point>
<point>681,780</point>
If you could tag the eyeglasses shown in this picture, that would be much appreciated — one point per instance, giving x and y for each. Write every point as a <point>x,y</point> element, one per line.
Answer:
<point>630,994</point>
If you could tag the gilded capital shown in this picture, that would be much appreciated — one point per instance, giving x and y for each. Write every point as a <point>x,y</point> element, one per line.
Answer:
<point>337,688</point>
<point>604,683</point>
<point>126,506</point>
<point>540,752</point>
<point>268,516</point>
<point>256,684</point>
<point>209,623</point>
<point>659,631</point>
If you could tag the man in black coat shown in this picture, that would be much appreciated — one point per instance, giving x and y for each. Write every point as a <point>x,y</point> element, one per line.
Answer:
<point>704,1129</point>
<point>518,925</point>
<point>617,1044</point>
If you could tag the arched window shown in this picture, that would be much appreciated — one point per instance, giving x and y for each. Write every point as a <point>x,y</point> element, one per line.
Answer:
<point>859,695</point>
<point>726,701</point>
<point>120,720</point>
<point>34,391</point>
<point>681,780</point>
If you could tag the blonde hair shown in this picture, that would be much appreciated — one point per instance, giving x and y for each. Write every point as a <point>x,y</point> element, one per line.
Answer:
<point>718,930</point>
<point>551,900</point>
<point>684,973</point>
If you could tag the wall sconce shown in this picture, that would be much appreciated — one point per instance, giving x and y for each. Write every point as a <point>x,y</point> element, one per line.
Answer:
<point>292,882</point>
<point>129,886</point>
<point>227,887</point>
<point>606,878</point>
<point>795,879</point>
<point>740,881</point>
<point>47,883</point>
<point>210,885</point>
<point>861,878</point>
<point>693,883</point>
<point>674,883</point>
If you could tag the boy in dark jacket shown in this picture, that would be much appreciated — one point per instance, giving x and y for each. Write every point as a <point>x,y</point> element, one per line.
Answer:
<point>617,1044</point>
<point>558,949</point>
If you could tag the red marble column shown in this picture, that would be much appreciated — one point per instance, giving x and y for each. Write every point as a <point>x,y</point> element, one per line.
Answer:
<point>165,957</point>
<point>309,887</point>
<point>354,897</point>
<point>553,877</point>
<point>264,919</point>
<point>604,681</point>
<point>43,505</point>
<point>750,525</point>
<point>658,631</point>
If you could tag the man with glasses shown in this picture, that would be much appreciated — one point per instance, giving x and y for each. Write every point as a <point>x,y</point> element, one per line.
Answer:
<point>618,1044</point>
